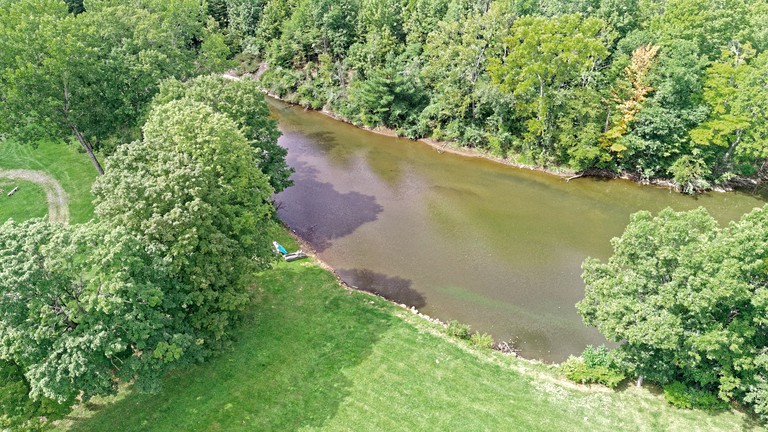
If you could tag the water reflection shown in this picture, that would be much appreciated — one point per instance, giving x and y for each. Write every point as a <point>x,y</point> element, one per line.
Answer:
<point>391,288</point>
<point>319,213</point>
<point>463,238</point>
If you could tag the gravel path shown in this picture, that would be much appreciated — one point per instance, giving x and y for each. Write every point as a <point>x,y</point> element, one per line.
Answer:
<point>58,203</point>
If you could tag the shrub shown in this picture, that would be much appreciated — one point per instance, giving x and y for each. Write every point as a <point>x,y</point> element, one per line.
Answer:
<point>597,356</point>
<point>682,396</point>
<point>481,340</point>
<point>20,413</point>
<point>247,63</point>
<point>595,366</point>
<point>459,330</point>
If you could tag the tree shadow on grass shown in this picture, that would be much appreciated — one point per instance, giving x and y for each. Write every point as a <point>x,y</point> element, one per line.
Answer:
<point>285,371</point>
<point>391,288</point>
<point>318,213</point>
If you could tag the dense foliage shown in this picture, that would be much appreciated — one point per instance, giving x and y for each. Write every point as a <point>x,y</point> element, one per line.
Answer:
<point>155,282</point>
<point>17,410</point>
<point>92,75</point>
<point>192,193</point>
<point>661,89</point>
<point>688,301</point>
<point>594,366</point>
<point>184,220</point>
<point>243,102</point>
<point>80,305</point>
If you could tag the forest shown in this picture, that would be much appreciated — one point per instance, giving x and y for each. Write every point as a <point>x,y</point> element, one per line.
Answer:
<point>172,250</point>
<point>651,89</point>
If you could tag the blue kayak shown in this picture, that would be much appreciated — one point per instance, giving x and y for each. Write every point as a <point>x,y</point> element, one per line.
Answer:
<point>279,248</point>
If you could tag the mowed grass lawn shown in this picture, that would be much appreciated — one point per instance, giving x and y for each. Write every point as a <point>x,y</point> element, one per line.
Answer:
<point>63,162</point>
<point>28,202</point>
<point>312,355</point>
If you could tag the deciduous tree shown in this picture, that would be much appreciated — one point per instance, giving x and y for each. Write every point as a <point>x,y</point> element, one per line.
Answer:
<point>192,193</point>
<point>243,102</point>
<point>80,306</point>
<point>91,76</point>
<point>686,300</point>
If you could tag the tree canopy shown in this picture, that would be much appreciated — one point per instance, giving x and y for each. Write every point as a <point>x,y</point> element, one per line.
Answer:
<point>243,102</point>
<point>157,280</point>
<point>92,75</point>
<point>80,305</point>
<point>687,301</point>
<point>192,192</point>
<point>550,83</point>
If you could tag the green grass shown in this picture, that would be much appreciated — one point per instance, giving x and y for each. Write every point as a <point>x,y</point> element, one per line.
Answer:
<point>28,202</point>
<point>311,355</point>
<point>314,356</point>
<point>64,163</point>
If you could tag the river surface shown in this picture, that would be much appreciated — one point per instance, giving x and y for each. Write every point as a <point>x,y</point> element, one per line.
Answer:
<point>497,247</point>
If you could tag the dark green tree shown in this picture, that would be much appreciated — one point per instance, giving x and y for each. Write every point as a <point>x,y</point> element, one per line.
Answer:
<point>81,306</point>
<point>542,58</point>
<point>92,76</point>
<point>242,102</point>
<point>191,191</point>
<point>686,300</point>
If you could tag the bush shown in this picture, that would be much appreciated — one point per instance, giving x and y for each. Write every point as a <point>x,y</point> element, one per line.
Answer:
<point>459,330</point>
<point>682,396</point>
<point>17,411</point>
<point>247,63</point>
<point>481,340</point>
<point>594,357</point>
<point>595,366</point>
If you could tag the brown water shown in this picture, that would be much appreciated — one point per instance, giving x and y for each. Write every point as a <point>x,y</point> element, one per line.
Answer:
<point>462,238</point>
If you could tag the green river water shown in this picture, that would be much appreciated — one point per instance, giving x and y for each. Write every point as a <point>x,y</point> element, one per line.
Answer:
<point>462,238</point>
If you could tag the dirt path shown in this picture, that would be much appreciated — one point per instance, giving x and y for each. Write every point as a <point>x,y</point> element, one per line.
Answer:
<point>58,203</point>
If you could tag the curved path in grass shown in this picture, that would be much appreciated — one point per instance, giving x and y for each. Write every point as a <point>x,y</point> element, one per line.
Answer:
<point>58,203</point>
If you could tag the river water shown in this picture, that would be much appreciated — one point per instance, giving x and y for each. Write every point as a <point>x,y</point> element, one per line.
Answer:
<point>462,238</point>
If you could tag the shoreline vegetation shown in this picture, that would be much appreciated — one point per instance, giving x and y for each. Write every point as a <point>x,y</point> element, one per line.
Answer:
<point>657,92</point>
<point>314,353</point>
<point>377,358</point>
<point>456,148</point>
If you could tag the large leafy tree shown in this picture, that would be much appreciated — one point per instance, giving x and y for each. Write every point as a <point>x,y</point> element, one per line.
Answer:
<point>736,92</point>
<point>542,57</point>
<point>81,306</point>
<point>658,134</point>
<point>687,300</point>
<point>91,76</point>
<point>709,24</point>
<point>455,62</point>
<point>243,102</point>
<point>192,193</point>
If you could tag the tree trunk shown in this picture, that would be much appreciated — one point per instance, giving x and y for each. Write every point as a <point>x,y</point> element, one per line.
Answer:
<point>88,149</point>
<point>79,135</point>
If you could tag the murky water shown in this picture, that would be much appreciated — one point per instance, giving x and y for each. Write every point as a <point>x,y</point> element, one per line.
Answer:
<point>462,238</point>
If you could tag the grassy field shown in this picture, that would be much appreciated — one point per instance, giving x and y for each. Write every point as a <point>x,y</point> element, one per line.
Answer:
<point>29,202</point>
<point>314,356</point>
<point>71,168</point>
<point>311,355</point>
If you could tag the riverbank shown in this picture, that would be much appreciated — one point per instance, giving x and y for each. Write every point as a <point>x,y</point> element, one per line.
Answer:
<point>562,172</point>
<point>312,355</point>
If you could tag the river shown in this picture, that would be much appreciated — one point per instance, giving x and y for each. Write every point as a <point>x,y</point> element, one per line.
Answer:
<point>493,246</point>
